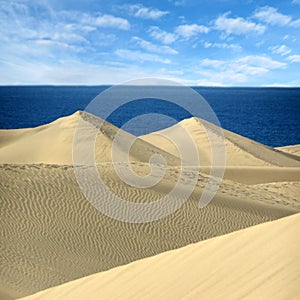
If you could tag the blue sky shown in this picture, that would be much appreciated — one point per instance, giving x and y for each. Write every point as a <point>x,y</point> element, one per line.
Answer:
<point>208,42</point>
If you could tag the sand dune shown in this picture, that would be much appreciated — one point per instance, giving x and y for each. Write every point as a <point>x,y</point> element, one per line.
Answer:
<point>261,262</point>
<point>51,234</point>
<point>294,149</point>
<point>52,143</point>
<point>247,161</point>
<point>240,151</point>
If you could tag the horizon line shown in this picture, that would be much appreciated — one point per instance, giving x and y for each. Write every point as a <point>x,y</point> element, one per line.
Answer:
<point>156,85</point>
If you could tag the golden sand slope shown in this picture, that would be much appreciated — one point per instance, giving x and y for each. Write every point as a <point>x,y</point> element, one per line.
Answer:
<point>294,149</point>
<point>51,234</point>
<point>52,143</point>
<point>240,151</point>
<point>261,262</point>
<point>248,162</point>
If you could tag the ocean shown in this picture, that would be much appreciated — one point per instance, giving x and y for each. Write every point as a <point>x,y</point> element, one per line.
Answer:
<point>267,115</point>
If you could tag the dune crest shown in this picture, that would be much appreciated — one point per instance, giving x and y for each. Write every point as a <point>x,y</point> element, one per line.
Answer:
<point>240,151</point>
<point>52,143</point>
<point>53,234</point>
<point>293,149</point>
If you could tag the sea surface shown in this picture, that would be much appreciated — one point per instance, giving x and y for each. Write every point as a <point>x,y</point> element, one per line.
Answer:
<point>268,115</point>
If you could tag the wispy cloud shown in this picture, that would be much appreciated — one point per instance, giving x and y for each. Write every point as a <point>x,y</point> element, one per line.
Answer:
<point>152,47</point>
<point>214,63</point>
<point>140,11</point>
<point>161,35</point>
<point>111,21</point>
<point>281,50</point>
<point>177,2</point>
<point>237,25</point>
<point>294,58</point>
<point>262,61</point>
<point>240,70</point>
<point>182,31</point>
<point>187,31</point>
<point>234,47</point>
<point>270,15</point>
<point>106,43</point>
<point>140,56</point>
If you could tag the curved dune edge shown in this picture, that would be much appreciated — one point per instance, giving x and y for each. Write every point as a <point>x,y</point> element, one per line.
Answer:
<point>293,149</point>
<point>260,262</point>
<point>248,162</point>
<point>52,144</point>
<point>240,151</point>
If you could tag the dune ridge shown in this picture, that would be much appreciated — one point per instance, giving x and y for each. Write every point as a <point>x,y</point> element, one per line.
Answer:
<point>52,143</point>
<point>293,149</point>
<point>51,234</point>
<point>240,151</point>
<point>33,145</point>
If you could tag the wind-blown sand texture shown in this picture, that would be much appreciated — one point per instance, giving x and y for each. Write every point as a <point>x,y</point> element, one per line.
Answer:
<point>50,234</point>
<point>261,262</point>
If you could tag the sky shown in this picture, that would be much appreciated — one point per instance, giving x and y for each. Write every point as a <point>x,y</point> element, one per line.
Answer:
<point>192,42</point>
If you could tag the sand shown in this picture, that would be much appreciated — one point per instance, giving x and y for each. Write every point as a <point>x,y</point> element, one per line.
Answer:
<point>52,143</point>
<point>294,149</point>
<point>240,151</point>
<point>51,234</point>
<point>261,262</point>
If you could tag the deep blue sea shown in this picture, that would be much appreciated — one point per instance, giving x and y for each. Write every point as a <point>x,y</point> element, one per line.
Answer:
<point>268,115</point>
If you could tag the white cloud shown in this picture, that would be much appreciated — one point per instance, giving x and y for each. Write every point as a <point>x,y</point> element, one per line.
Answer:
<point>237,71</point>
<point>295,23</point>
<point>177,2</point>
<point>281,50</point>
<point>39,46</point>
<point>187,31</point>
<point>250,70</point>
<point>140,11</point>
<point>140,56</point>
<point>56,45</point>
<point>69,37</point>
<point>296,1</point>
<point>214,63</point>
<point>169,72</point>
<point>79,27</point>
<point>234,47</point>
<point>184,31</point>
<point>161,35</point>
<point>112,21</point>
<point>270,15</point>
<point>261,61</point>
<point>237,26</point>
<point>239,66</point>
<point>294,58</point>
<point>154,48</point>
<point>222,76</point>
<point>69,72</point>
